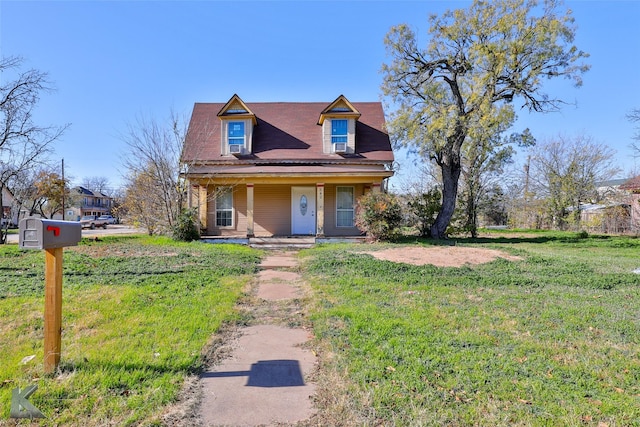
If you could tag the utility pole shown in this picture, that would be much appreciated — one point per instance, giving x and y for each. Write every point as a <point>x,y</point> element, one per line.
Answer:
<point>526,191</point>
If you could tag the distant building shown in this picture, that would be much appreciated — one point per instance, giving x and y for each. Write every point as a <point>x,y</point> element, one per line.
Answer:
<point>632,186</point>
<point>610,190</point>
<point>7,203</point>
<point>84,202</point>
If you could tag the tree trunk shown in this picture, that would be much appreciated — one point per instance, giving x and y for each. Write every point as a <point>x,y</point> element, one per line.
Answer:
<point>451,168</point>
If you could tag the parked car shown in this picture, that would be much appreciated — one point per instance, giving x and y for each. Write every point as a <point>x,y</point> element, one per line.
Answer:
<point>92,222</point>
<point>110,219</point>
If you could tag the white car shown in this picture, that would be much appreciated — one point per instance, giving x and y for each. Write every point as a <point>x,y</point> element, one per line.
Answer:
<point>108,218</point>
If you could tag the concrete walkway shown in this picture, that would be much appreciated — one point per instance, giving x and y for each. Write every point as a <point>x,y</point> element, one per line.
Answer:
<point>264,381</point>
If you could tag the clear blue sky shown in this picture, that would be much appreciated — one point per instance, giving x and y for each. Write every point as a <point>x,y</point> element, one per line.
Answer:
<point>111,61</point>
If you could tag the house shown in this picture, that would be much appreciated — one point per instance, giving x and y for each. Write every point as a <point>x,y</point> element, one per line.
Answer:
<point>85,202</point>
<point>9,213</point>
<point>632,186</point>
<point>284,168</point>
<point>605,218</point>
<point>610,190</point>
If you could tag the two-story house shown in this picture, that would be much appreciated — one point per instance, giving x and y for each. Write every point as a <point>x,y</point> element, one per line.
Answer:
<point>85,202</point>
<point>284,168</point>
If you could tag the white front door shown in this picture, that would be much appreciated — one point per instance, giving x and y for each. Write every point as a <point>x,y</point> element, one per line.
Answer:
<point>303,210</point>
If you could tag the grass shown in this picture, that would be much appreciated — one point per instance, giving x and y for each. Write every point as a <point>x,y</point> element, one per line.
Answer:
<point>137,313</point>
<point>553,339</point>
<point>550,340</point>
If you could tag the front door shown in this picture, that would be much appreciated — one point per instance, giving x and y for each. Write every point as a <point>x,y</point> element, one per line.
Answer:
<point>303,210</point>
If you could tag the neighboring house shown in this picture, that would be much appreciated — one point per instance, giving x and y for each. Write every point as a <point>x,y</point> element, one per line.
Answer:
<point>609,191</point>
<point>278,168</point>
<point>8,212</point>
<point>632,186</point>
<point>610,218</point>
<point>85,202</point>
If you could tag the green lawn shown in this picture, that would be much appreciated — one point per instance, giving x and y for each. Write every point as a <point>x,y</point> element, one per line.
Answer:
<point>137,313</point>
<point>551,340</point>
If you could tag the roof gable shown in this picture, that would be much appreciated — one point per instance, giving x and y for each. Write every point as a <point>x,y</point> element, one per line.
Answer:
<point>236,108</point>
<point>340,108</point>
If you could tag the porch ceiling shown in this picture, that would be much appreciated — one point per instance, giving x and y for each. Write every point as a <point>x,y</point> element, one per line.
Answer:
<point>271,174</point>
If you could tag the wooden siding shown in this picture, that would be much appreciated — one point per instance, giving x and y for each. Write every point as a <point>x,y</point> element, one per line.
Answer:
<point>239,227</point>
<point>330,228</point>
<point>272,210</point>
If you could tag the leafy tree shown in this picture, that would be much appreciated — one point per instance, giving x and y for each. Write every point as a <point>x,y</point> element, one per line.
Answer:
<point>51,189</point>
<point>141,203</point>
<point>476,63</point>
<point>424,207</point>
<point>494,206</point>
<point>564,172</point>
<point>483,165</point>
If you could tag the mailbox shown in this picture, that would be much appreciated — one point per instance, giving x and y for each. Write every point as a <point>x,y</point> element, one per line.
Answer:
<point>38,233</point>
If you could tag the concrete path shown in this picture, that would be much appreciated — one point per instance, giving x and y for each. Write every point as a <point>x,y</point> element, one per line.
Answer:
<point>265,379</point>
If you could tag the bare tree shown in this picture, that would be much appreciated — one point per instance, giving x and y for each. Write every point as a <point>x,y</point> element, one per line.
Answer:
<point>155,186</point>
<point>97,183</point>
<point>634,117</point>
<point>564,171</point>
<point>23,144</point>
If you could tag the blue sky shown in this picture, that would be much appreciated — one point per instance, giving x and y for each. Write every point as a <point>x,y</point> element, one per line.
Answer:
<point>113,61</point>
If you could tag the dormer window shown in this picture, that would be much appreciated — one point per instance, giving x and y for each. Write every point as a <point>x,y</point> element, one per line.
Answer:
<point>338,123</point>
<point>339,131</point>
<point>236,137</point>
<point>237,128</point>
<point>339,134</point>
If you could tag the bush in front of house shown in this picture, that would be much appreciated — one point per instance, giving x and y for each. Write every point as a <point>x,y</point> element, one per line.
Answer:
<point>379,215</point>
<point>186,228</point>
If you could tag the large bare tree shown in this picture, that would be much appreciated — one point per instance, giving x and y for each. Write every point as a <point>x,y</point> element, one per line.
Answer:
<point>24,145</point>
<point>476,63</point>
<point>155,188</point>
<point>564,171</point>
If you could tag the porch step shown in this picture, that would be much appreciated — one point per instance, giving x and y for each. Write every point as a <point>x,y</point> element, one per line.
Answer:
<point>282,242</point>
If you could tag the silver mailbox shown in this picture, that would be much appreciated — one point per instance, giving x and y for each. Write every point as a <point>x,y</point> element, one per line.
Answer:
<point>39,233</point>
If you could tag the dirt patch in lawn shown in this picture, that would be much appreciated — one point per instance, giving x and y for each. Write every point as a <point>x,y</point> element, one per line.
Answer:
<point>442,256</point>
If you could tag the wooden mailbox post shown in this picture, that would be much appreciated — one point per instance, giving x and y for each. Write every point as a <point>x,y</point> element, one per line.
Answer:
<point>52,236</point>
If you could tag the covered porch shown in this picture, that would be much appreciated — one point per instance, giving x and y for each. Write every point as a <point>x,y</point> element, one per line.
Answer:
<point>267,206</point>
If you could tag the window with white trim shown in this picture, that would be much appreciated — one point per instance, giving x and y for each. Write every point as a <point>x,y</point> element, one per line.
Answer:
<point>339,131</point>
<point>345,210</point>
<point>236,136</point>
<point>224,207</point>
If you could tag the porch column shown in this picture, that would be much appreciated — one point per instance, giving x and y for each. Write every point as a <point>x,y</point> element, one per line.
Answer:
<point>202,206</point>
<point>189,195</point>
<point>320,209</point>
<point>250,230</point>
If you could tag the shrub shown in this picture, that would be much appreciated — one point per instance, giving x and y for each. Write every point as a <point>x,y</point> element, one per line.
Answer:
<point>186,228</point>
<point>582,234</point>
<point>379,215</point>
